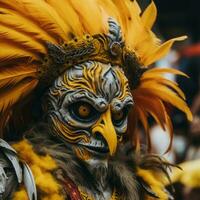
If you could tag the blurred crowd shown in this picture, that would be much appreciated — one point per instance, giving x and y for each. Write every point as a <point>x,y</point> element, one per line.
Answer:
<point>175,18</point>
<point>186,143</point>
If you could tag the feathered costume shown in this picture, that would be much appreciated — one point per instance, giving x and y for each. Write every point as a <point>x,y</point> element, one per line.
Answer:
<point>62,65</point>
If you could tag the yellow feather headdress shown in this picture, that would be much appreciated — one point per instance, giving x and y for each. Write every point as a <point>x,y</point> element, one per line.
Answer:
<point>27,25</point>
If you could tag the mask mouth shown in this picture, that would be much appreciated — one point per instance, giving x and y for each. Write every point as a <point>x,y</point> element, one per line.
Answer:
<point>95,146</point>
<point>97,150</point>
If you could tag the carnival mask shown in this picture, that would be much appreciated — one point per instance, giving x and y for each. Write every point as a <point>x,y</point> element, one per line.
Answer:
<point>88,107</point>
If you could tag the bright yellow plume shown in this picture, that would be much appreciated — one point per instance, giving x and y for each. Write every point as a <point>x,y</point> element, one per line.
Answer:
<point>188,175</point>
<point>26,25</point>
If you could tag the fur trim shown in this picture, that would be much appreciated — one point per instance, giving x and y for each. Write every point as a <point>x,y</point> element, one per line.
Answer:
<point>41,167</point>
<point>125,172</point>
<point>21,194</point>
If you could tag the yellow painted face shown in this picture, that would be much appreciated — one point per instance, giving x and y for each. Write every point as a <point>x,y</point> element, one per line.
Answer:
<point>88,107</point>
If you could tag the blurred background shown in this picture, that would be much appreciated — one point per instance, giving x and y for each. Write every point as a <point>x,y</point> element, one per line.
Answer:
<point>176,18</point>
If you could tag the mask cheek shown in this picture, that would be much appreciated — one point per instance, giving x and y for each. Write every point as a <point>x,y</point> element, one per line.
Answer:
<point>65,131</point>
<point>72,138</point>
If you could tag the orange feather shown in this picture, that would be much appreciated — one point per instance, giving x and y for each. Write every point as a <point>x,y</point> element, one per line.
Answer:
<point>166,95</point>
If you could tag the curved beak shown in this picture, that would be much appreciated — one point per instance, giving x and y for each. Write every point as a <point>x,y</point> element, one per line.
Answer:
<point>105,127</point>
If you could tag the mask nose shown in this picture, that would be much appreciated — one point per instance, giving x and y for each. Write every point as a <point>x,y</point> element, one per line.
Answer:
<point>104,126</point>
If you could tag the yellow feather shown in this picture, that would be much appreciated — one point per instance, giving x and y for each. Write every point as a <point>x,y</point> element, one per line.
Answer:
<point>124,12</point>
<point>21,194</point>
<point>12,75</point>
<point>58,18</point>
<point>161,51</point>
<point>71,18</point>
<point>86,12</point>
<point>172,85</point>
<point>9,53</point>
<point>20,39</point>
<point>189,176</point>
<point>20,23</point>
<point>27,24</point>
<point>143,46</point>
<point>110,9</point>
<point>159,71</point>
<point>133,30</point>
<point>42,167</point>
<point>154,106</point>
<point>166,95</point>
<point>137,37</point>
<point>149,15</point>
<point>14,94</point>
<point>156,75</point>
<point>155,181</point>
<point>42,14</point>
<point>134,6</point>
<point>167,83</point>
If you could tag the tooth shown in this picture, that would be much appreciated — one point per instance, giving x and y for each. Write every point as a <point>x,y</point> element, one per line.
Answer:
<point>93,143</point>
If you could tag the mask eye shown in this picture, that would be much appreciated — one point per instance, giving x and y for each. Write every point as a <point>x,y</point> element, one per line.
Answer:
<point>83,111</point>
<point>119,117</point>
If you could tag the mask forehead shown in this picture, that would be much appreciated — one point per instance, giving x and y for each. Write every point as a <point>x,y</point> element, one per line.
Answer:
<point>97,79</point>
